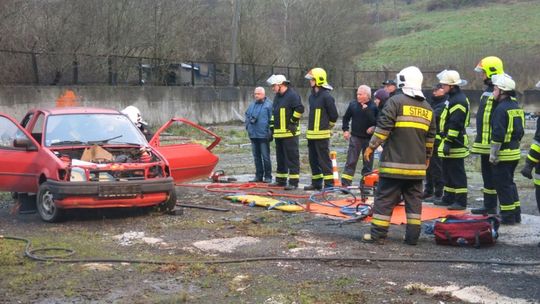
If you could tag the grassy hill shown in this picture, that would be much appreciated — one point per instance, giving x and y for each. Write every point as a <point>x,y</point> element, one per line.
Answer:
<point>434,40</point>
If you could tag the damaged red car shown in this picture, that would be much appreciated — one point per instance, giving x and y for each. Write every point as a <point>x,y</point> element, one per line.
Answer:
<point>66,158</point>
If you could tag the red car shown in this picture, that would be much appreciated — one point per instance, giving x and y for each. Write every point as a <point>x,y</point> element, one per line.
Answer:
<point>64,158</point>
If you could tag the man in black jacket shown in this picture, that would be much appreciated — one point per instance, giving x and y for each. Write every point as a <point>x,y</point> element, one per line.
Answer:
<point>287,111</point>
<point>322,118</point>
<point>363,113</point>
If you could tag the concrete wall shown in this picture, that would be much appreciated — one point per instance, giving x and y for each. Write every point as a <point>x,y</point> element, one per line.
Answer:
<point>205,105</point>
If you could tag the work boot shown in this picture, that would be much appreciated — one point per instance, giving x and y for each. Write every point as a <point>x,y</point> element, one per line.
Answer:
<point>441,203</point>
<point>456,206</point>
<point>517,215</point>
<point>277,184</point>
<point>370,239</point>
<point>412,233</point>
<point>345,182</point>
<point>508,219</point>
<point>434,199</point>
<point>312,187</point>
<point>290,187</point>
<point>483,210</point>
<point>427,195</point>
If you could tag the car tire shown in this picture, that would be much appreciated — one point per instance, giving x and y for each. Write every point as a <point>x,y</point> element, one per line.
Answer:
<point>45,205</point>
<point>169,205</point>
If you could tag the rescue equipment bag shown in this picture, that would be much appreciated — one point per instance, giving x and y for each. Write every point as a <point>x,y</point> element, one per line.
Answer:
<point>467,230</point>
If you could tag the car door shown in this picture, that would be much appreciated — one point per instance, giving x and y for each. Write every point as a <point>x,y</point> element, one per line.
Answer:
<point>19,153</point>
<point>187,147</point>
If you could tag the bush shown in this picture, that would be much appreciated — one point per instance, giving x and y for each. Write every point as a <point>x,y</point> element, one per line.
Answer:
<point>434,5</point>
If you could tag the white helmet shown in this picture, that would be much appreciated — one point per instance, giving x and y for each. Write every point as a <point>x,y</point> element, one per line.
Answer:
<point>134,115</point>
<point>504,82</point>
<point>451,77</point>
<point>410,81</point>
<point>277,79</point>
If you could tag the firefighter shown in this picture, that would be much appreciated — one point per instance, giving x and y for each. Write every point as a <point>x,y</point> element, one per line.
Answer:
<point>406,124</point>
<point>286,114</point>
<point>322,118</point>
<point>454,142</point>
<point>135,116</point>
<point>533,162</point>
<point>488,66</point>
<point>507,129</point>
<point>433,189</point>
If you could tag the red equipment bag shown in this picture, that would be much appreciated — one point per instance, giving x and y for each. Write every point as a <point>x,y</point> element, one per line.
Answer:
<point>467,230</point>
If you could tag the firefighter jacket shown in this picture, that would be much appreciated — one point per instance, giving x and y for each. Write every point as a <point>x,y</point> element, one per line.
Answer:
<point>287,111</point>
<point>362,119</point>
<point>406,128</point>
<point>437,104</point>
<point>454,121</point>
<point>534,153</point>
<point>322,114</point>
<point>507,128</point>
<point>482,142</point>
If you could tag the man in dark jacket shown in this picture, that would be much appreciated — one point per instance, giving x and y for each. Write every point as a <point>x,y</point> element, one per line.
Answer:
<point>433,189</point>
<point>507,129</point>
<point>363,113</point>
<point>406,127</point>
<point>322,118</point>
<point>286,114</point>
<point>488,66</point>
<point>257,122</point>
<point>454,140</point>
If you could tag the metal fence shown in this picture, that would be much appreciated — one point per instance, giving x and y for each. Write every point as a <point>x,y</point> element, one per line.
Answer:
<point>40,68</point>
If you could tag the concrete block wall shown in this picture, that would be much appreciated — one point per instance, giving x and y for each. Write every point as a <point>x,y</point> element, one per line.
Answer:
<point>204,105</point>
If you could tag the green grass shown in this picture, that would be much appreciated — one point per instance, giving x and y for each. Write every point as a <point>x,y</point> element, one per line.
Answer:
<point>459,37</point>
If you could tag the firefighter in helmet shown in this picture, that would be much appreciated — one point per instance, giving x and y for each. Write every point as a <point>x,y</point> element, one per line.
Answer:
<point>323,115</point>
<point>507,129</point>
<point>533,162</point>
<point>135,116</point>
<point>454,141</point>
<point>406,123</point>
<point>488,66</point>
<point>286,114</point>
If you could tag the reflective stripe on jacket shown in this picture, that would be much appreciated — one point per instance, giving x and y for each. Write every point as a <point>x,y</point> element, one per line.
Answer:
<point>287,112</point>
<point>407,128</point>
<point>507,128</point>
<point>322,114</point>
<point>487,105</point>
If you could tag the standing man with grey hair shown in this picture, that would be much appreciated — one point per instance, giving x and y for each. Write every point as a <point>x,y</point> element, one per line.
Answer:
<point>286,114</point>
<point>258,116</point>
<point>363,113</point>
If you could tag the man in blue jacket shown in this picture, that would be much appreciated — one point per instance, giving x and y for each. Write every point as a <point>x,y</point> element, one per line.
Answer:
<point>257,122</point>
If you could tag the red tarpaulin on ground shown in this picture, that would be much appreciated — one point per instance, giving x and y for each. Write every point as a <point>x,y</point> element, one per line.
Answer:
<point>429,211</point>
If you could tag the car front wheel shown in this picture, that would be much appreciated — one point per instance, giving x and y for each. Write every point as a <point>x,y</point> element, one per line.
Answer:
<point>46,207</point>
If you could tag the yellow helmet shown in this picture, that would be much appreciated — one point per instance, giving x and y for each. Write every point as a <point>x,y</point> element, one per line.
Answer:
<point>491,65</point>
<point>319,75</point>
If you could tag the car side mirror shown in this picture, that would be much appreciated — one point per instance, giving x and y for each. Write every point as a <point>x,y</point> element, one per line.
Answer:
<point>24,142</point>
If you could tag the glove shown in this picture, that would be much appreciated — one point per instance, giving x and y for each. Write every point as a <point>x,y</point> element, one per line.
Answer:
<point>527,170</point>
<point>271,136</point>
<point>292,127</point>
<point>446,149</point>
<point>367,153</point>
<point>494,153</point>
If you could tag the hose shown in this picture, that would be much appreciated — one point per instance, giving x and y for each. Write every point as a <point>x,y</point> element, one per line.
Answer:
<point>31,254</point>
<point>243,187</point>
<point>321,197</point>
